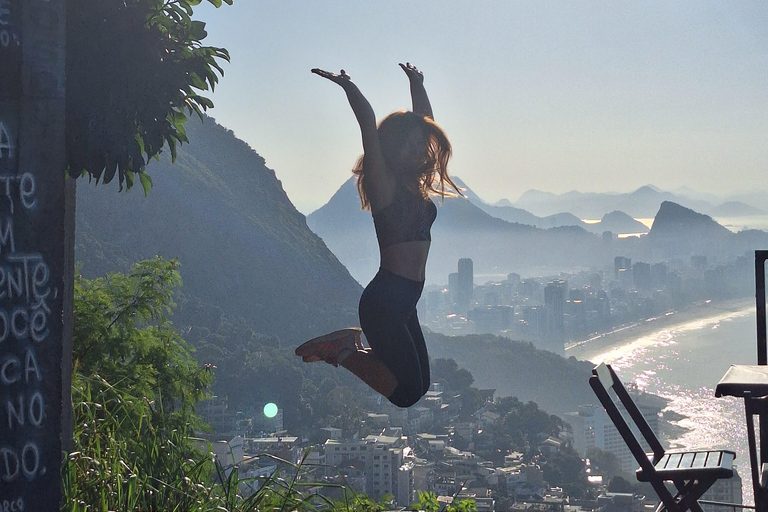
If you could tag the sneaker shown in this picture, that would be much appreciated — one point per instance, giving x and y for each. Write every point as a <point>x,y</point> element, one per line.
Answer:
<point>331,347</point>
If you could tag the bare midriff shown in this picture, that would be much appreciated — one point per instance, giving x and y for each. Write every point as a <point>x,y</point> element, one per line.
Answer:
<point>408,259</point>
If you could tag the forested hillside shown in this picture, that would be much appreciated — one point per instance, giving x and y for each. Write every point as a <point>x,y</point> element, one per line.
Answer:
<point>517,368</point>
<point>244,249</point>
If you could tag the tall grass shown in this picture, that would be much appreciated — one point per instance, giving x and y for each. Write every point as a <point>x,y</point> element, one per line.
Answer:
<point>130,455</point>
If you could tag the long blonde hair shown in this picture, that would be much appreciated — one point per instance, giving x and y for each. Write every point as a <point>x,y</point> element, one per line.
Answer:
<point>433,173</point>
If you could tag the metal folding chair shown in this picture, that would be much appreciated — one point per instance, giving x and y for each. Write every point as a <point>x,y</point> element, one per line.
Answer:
<point>692,473</point>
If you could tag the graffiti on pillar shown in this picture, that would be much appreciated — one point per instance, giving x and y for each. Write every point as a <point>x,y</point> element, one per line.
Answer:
<point>30,276</point>
<point>10,50</point>
<point>25,293</point>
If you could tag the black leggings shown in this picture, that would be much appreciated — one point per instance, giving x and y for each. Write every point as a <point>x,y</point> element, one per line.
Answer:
<point>388,319</point>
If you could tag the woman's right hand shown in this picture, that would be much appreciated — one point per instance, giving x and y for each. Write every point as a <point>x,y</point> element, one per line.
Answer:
<point>342,78</point>
<point>414,75</point>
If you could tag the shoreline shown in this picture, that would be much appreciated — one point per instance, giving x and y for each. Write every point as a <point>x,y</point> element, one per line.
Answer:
<point>585,349</point>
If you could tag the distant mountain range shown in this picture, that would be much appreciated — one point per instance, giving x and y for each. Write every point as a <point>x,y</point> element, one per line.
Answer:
<point>615,221</point>
<point>642,203</point>
<point>499,241</point>
<point>462,229</point>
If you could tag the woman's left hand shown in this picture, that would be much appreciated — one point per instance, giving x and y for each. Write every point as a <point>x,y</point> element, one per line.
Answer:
<point>342,78</point>
<point>412,72</point>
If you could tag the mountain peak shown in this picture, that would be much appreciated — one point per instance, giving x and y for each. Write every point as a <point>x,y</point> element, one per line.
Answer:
<point>647,190</point>
<point>674,220</point>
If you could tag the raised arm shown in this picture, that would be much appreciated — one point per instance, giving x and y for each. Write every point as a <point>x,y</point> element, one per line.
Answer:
<point>379,184</point>
<point>419,96</point>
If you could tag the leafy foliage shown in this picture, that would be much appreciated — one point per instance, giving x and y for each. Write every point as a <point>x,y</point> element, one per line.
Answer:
<point>447,372</point>
<point>134,69</point>
<point>620,484</point>
<point>516,429</point>
<point>605,463</point>
<point>122,334</point>
<point>458,381</point>
<point>428,502</point>
<point>567,469</point>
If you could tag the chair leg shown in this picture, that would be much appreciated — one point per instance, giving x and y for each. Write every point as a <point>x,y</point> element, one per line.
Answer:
<point>668,501</point>
<point>697,489</point>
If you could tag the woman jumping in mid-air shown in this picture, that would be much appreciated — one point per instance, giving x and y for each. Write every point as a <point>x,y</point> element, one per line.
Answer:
<point>404,161</point>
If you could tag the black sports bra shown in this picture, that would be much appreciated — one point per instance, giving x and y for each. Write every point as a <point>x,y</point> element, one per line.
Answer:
<point>408,218</point>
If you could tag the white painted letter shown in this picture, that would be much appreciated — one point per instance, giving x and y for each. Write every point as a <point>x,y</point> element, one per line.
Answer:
<point>38,325</point>
<point>30,366</point>
<point>10,456</point>
<point>5,329</point>
<point>27,190</point>
<point>6,377</point>
<point>22,332</point>
<point>40,275</point>
<point>6,235</point>
<point>18,413</point>
<point>36,409</point>
<point>30,470</point>
<point>5,141</point>
<point>5,12</point>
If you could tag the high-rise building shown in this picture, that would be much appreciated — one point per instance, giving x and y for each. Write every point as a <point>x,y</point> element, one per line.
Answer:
<point>453,289</point>
<point>641,276</point>
<point>382,458</point>
<point>530,289</point>
<point>405,485</point>
<point>659,275</point>
<point>619,263</point>
<point>724,490</point>
<point>588,425</point>
<point>650,406</point>
<point>593,429</point>
<point>535,325</point>
<point>554,305</point>
<point>465,284</point>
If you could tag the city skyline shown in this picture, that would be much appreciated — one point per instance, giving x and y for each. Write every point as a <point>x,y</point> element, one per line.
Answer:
<point>592,97</point>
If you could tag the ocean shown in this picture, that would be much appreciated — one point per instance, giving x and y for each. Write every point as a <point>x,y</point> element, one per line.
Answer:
<point>684,364</point>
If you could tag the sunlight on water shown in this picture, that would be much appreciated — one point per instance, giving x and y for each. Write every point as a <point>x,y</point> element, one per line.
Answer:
<point>737,224</point>
<point>683,364</point>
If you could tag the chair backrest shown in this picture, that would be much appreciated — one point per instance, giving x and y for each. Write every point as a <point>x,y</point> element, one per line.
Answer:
<point>762,343</point>
<point>604,379</point>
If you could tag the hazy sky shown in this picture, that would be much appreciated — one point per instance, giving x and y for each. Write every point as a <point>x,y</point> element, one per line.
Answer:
<point>554,96</point>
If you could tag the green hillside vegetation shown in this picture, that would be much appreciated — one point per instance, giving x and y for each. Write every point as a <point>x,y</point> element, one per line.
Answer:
<point>517,368</point>
<point>245,250</point>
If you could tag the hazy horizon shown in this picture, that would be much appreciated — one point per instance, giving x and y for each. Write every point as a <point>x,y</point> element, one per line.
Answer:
<point>556,97</point>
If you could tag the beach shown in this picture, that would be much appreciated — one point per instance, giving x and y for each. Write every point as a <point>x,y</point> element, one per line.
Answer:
<point>680,358</point>
<point>586,349</point>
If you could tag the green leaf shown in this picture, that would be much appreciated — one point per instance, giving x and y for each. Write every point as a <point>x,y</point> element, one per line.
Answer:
<point>144,91</point>
<point>197,30</point>
<point>146,182</point>
<point>128,181</point>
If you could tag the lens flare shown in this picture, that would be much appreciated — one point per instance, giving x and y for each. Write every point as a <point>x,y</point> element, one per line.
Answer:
<point>270,410</point>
